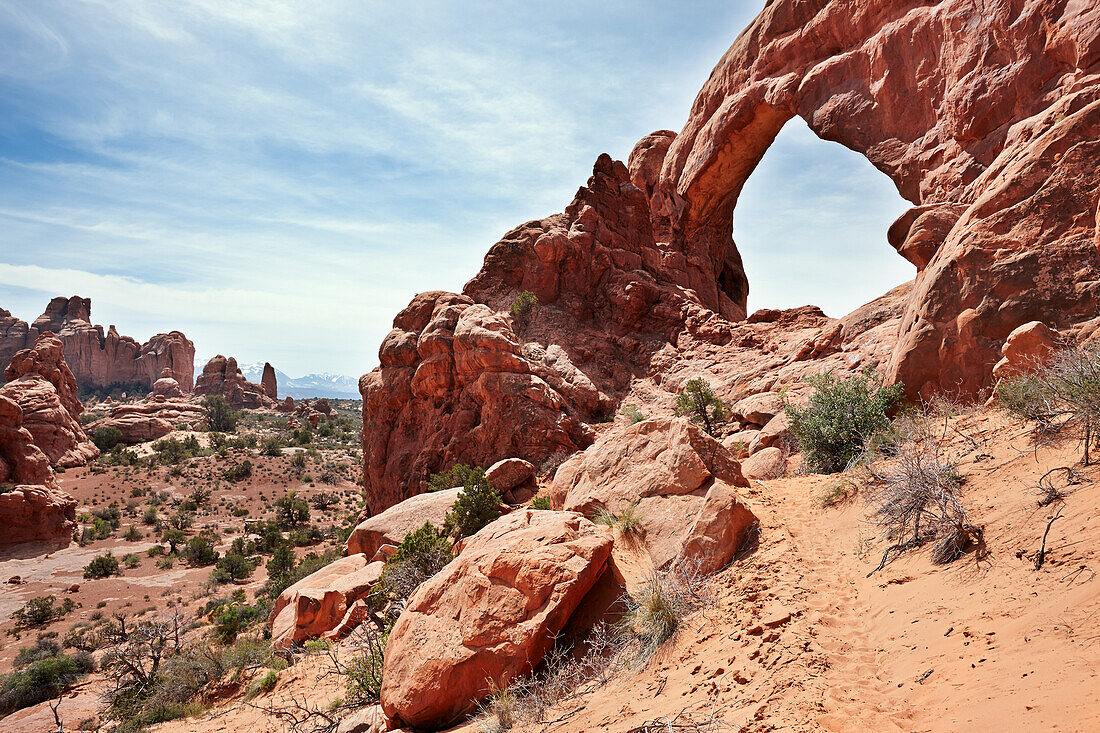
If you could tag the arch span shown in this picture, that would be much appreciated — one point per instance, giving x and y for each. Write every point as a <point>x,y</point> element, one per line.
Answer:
<point>986,119</point>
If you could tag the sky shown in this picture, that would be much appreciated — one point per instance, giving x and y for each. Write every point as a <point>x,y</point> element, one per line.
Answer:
<point>277,179</point>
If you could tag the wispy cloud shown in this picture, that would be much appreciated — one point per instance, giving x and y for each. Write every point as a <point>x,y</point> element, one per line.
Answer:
<point>280,178</point>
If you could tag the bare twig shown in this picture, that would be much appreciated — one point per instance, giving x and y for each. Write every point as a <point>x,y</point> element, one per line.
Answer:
<point>1043,547</point>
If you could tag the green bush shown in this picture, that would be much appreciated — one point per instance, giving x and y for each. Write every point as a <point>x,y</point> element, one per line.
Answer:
<point>220,417</point>
<point>699,404</point>
<point>199,552</point>
<point>422,554</point>
<point>101,566</point>
<point>233,566</point>
<point>291,510</point>
<point>106,438</point>
<point>457,475</point>
<point>541,502</point>
<point>1024,396</point>
<point>633,414</point>
<point>239,472</point>
<point>841,418</point>
<point>272,447</point>
<point>40,611</point>
<point>39,681</point>
<point>523,308</point>
<point>476,506</point>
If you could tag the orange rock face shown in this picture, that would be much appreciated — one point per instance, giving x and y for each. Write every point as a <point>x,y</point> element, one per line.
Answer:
<point>39,381</point>
<point>98,359</point>
<point>37,513</point>
<point>391,526</point>
<point>490,615</point>
<point>1026,349</point>
<point>268,382</point>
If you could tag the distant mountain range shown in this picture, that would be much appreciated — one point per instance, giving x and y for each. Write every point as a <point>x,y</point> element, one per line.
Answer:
<point>311,385</point>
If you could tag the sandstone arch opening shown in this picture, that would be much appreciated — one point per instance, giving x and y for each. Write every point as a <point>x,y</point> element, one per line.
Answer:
<point>810,225</point>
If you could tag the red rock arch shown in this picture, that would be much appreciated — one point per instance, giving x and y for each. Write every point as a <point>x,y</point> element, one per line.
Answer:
<point>986,117</point>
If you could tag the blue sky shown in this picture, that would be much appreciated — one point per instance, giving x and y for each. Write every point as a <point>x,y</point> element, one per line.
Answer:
<point>278,179</point>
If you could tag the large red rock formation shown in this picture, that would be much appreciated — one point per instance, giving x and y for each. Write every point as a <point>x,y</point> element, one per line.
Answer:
<point>98,359</point>
<point>986,118</point>
<point>40,382</point>
<point>222,376</point>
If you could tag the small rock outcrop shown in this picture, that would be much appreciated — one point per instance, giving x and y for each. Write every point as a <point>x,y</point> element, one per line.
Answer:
<point>96,358</point>
<point>39,381</point>
<point>222,376</point>
<point>662,467</point>
<point>166,387</point>
<point>1026,349</point>
<point>391,526</point>
<point>318,603</point>
<point>491,615</point>
<point>145,421</point>
<point>268,383</point>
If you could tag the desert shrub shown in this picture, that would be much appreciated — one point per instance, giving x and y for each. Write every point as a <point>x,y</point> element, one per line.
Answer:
<point>364,670</point>
<point>298,461</point>
<point>199,551</point>
<point>541,502</point>
<point>133,534</point>
<point>38,681</point>
<point>234,566</point>
<point>699,404</point>
<point>422,554</point>
<point>916,499</point>
<point>174,537</point>
<point>476,506</point>
<point>231,620</point>
<point>629,520</point>
<point>149,517</point>
<point>131,560</point>
<point>291,510</point>
<point>655,612</point>
<point>40,611</point>
<point>263,684</point>
<point>633,414</point>
<point>220,417</point>
<point>101,566</point>
<point>166,563</point>
<point>272,447</point>
<point>305,536</point>
<point>106,438</point>
<point>841,418</point>
<point>1063,393</point>
<point>324,500</point>
<point>523,308</point>
<point>239,472</point>
<point>457,475</point>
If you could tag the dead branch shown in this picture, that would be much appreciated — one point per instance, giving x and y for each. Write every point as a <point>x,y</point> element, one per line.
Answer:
<point>1043,547</point>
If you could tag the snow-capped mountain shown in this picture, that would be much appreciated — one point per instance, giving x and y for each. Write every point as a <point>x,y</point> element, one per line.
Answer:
<point>311,385</point>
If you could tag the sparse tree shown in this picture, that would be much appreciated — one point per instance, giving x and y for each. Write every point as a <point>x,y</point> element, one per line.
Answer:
<point>699,404</point>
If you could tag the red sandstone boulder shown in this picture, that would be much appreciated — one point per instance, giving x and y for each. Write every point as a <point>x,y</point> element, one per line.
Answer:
<point>167,387</point>
<point>318,603</point>
<point>489,616</point>
<point>765,464</point>
<point>721,527</point>
<point>758,409</point>
<point>391,526</point>
<point>776,431</point>
<point>508,474</point>
<point>222,376</point>
<point>1025,350</point>
<point>39,380</point>
<point>664,467</point>
<point>21,461</point>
